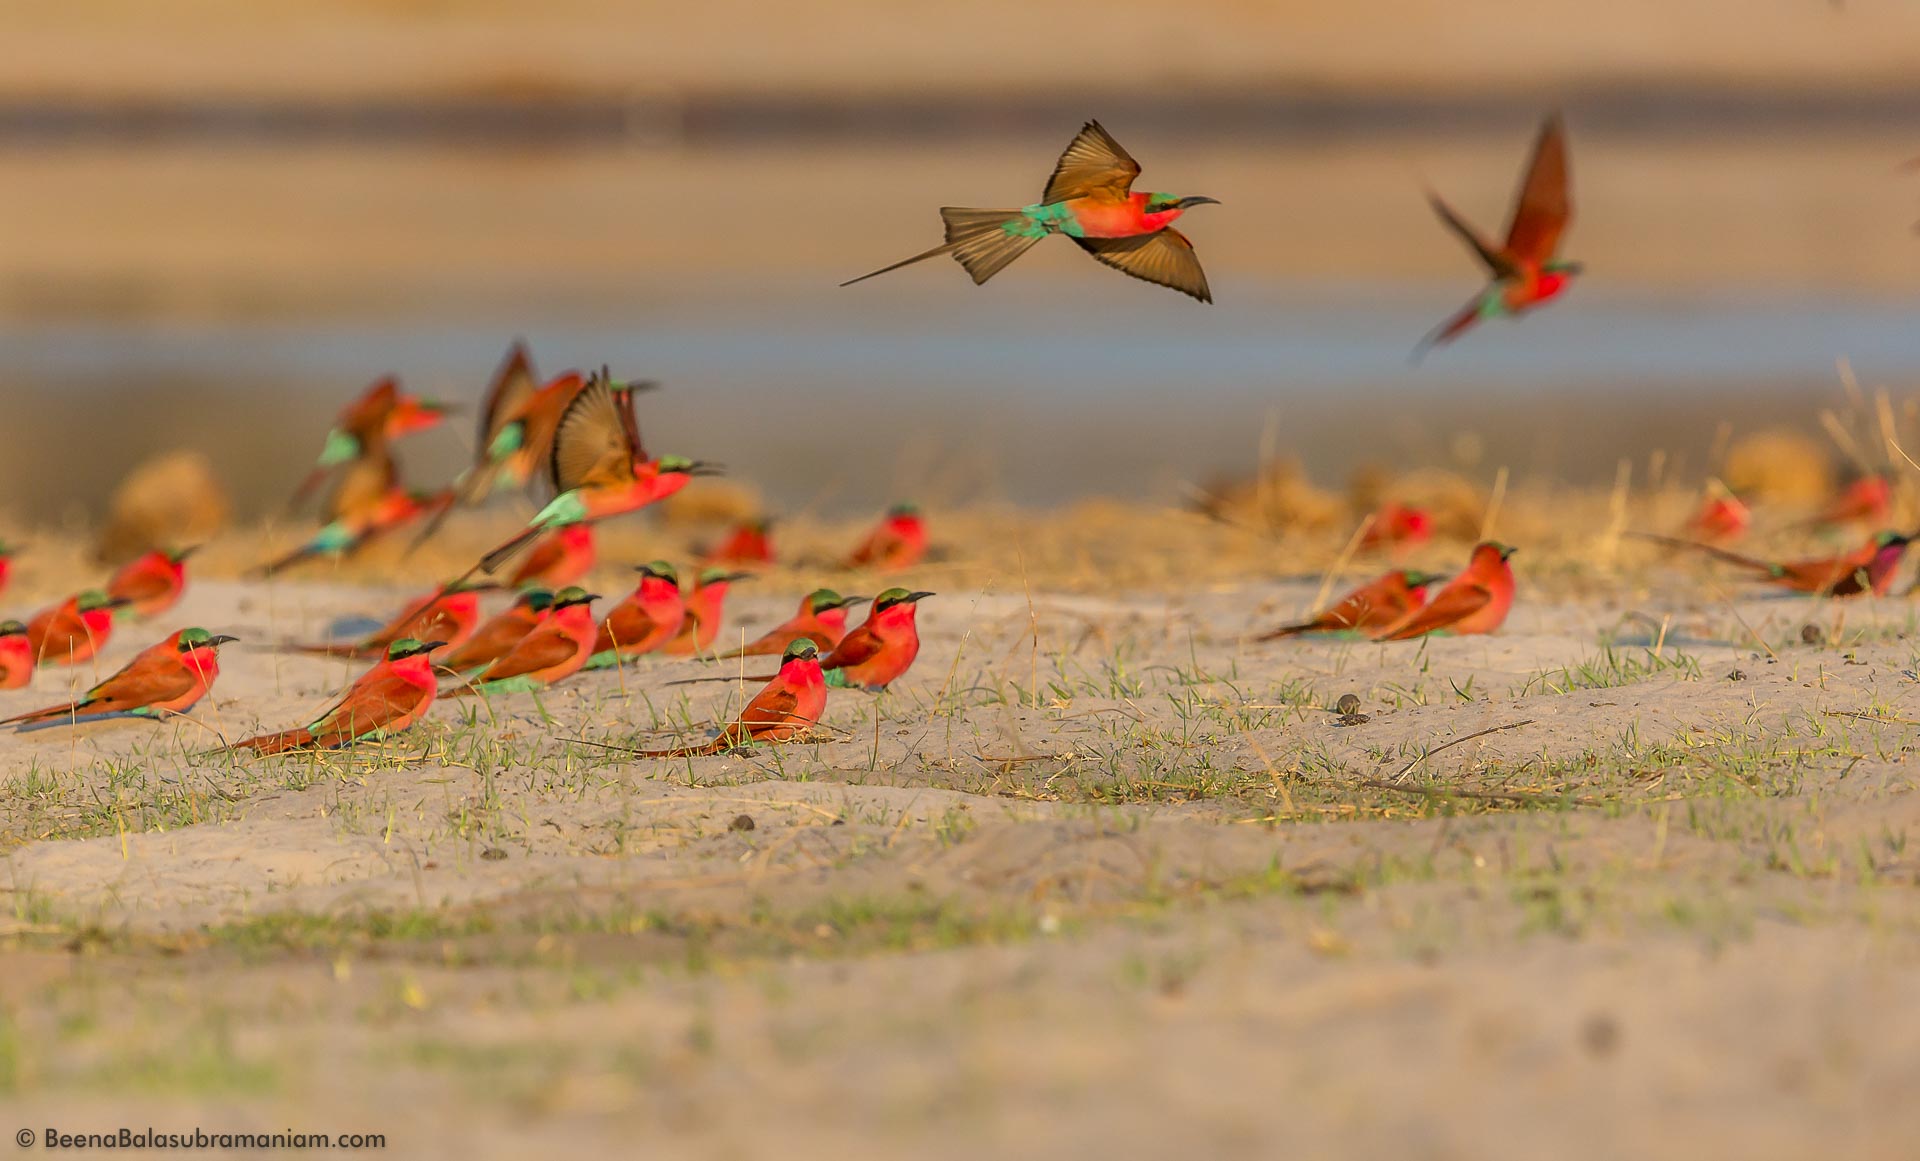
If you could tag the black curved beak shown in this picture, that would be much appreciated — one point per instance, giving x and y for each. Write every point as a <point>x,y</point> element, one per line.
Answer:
<point>849,602</point>
<point>1189,203</point>
<point>702,468</point>
<point>920,596</point>
<point>221,639</point>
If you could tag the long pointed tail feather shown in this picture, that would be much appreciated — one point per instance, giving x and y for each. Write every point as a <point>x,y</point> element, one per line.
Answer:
<point>1710,550</point>
<point>978,239</point>
<point>280,743</point>
<point>51,713</point>
<point>728,677</point>
<point>1455,326</point>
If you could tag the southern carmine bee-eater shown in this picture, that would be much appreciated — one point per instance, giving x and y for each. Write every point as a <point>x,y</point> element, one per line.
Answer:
<point>381,702</point>
<point>598,467</point>
<point>706,604</point>
<point>898,541</point>
<point>822,618</point>
<point>1867,500</point>
<point>749,542</point>
<point>1090,199</point>
<point>500,633</point>
<point>1722,517</point>
<point>873,656</point>
<point>1374,605</point>
<point>790,704</point>
<point>73,630</point>
<point>649,617</point>
<point>16,655</point>
<point>560,558</point>
<point>1397,528</point>
<point>517,423</point>
<point>448,615</point>
<point>1867,569</point>
<point>161,680</point>
<point>152,582</point>
<point>1525,271</point>
<point>382,412</point>
<point>344,537</point>
<point>1476,601</point>
<point>556,649</point>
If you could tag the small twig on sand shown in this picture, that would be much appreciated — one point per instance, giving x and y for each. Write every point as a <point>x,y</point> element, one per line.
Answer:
<point>1425,754</point>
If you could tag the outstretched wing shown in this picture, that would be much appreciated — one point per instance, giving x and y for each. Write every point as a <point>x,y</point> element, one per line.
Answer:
<point>513,384</point>
<point>596,441</point>
<point>1544,206</point>
<point>1164,257</point>
<point>1498,262</point>
<point>1093,163</point>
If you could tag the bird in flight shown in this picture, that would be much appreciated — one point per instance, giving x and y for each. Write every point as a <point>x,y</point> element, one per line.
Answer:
<point>1524,269</point>
<point>1090,198</point>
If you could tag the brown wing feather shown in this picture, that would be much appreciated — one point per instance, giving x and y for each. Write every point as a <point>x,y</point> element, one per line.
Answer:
<point>770,707</point>
<point>1454,604</point>
<point>362,484</point>
<point>370,704</point>
<point>590,443</point>
<point>856,647</point>
<point>1544,207</point>
<point>1164,257</point>
<point>1498,261</point>
<point>536,651</point>
<point>513,385</point>
<point>150,677</point>
<point>1093,163</point>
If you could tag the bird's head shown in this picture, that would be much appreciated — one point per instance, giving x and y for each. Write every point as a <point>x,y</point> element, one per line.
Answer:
<point>822,600</point>
<point>659,570</point>
<point>802,649</point>
<point>1415,579</point>
<point>1160,203</point>
<point>1892,540</point>
<point>573,595</point>
<point>536,600</point>
<point>1493,550</point>
<point>893,598</point>
<point>13,629</point>
<point>411,647</point>
<point>720,576</point>
<point>93,600</point>
<point>191,639</point>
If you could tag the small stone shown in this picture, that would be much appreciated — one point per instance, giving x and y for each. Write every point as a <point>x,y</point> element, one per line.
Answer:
<point>1811,634</point>
<point>741,822</point>
<point>1348,705</point>
<point>1352,720</point>
<point>1737,675</point>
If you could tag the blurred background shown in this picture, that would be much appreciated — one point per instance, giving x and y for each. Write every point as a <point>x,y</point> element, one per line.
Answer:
<point>222,218</point>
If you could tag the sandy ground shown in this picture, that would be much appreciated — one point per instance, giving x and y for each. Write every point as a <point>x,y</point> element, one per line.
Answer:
<point>1099,877</point>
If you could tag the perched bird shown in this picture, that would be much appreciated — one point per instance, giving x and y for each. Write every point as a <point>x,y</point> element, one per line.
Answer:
<point>822,619</point>
<point>556,649</point>
<point>647,619</point>
<point>749,543</point>
<point>560,558</point>
<point>1374,605</point>
<point>1090,199</point>
<point>598,468</point>
<point>342,538</point>
<point>1398,527</point>
<point>873,656</point>
<point>1476,601</point>
<point>7,553</point>
<point>705,606</point>
<point>152,582</point>
<point>448,615</point>
<point>1869,568</point>
<point>1525,272</point>
<point>897,542</point>
<point>73,630</point>
<point>381,702</point>
<point>1867,500</point>
<point>161,680</point>
<point>791,703</point>
<point>501,633</point>
<point>1721,519</point>
<point>16,655</point>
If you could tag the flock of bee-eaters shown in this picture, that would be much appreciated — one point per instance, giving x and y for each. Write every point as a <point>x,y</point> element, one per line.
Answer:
<point>574,442</point>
